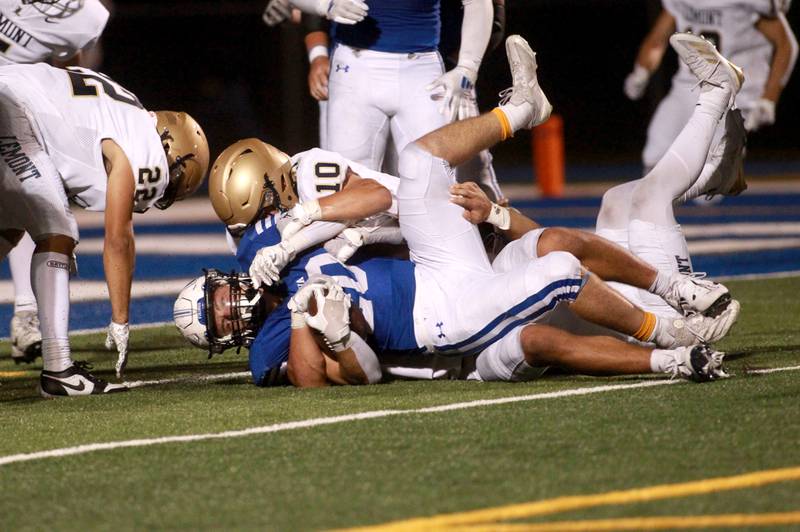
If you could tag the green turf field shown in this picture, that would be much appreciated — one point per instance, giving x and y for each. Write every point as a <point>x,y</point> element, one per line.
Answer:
<point>628,435</point>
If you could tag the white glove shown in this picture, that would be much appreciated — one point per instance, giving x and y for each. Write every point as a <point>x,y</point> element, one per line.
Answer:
<point>636,82</point>
<point>268,263</point>
<point>351,240</point>
<point>118,334</point>
<point>333,316</point>
<point>303,214</point>
<point>276,12</point>
<point>455,84</point>
<point>343,11</point>
<point>298,303</point>
<point>761,114</point>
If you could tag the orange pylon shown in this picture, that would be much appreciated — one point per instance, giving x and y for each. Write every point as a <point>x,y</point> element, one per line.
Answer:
<point>548,156</point>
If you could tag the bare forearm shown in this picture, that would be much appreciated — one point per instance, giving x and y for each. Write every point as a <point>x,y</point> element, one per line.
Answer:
<point>520,224</point>
<point>118,262</point>
<point>306,365</point>
<point>780,35</point>
<point>360,200</point>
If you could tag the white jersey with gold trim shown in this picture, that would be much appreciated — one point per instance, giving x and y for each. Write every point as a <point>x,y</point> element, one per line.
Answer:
<point>73,111</point>
<point>32,32</point>
<point>321,173</point>
<point>731,25</point>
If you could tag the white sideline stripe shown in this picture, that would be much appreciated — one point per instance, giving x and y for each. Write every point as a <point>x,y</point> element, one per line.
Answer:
<point>166,244</point>
<point>133,327</point>
<point>195,378</point>
<point>82,291</point>
<point>742,229</point>
<point>713,247</point>
<point>316,422</point>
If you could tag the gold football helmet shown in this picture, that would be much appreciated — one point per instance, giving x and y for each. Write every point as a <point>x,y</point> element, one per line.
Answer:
<point>187,155</point>
<point>248,179</point>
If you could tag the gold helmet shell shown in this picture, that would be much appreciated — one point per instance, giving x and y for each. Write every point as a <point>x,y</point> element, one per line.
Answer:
<point>187,155</point>
<point>248,178</point>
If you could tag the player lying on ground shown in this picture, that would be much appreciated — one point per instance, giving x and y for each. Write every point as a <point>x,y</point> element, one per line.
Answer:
<point>94,145</point>
<point>588,305</point>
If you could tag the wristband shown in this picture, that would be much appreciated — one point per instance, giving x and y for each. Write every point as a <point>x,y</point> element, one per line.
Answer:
<point>317,51</point>
<point>298,320</point>
<point>499,216</point>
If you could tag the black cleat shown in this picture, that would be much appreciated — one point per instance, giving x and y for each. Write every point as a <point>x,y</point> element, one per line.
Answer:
<point>75,380</point>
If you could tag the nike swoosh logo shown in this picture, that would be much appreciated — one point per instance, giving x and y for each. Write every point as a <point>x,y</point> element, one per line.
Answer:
<point>78,388</point>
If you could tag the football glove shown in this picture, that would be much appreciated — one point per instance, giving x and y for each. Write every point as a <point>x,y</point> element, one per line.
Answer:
<point>276,12</point>
<point>454,85</point>
<point>117,337</point>
<point>761,114</point>
<point>333,316</point>
<point>343,11</point>
<point>302,214</point>
<point>298,303</point>
<point>636,82</point>
<point>268,263</point>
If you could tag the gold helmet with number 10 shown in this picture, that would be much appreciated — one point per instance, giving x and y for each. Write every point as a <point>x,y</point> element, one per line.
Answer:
<point>248,179</point>
<point>187,155</point>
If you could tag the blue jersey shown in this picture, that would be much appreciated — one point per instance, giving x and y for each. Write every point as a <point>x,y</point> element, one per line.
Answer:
<point>383,288</point>
<point>399,26</point>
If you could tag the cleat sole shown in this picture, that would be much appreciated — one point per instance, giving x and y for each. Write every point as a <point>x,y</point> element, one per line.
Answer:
<point>719,306</point>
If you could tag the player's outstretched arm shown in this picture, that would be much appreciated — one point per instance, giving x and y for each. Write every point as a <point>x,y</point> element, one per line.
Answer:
<point>784,56</point>
<point>479,208</point>
<point>118,246</point>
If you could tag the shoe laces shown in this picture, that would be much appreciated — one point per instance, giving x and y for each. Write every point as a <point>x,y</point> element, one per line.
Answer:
<point>83,366</point>
<point>505,95</point>
<point>707,79</point>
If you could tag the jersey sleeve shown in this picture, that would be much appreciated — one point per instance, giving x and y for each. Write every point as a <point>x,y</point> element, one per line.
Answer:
<point>319,173</point>
<point>270,349</point>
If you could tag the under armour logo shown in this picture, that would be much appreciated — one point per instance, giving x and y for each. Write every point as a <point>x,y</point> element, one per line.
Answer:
<point>441,331</point>
<point>340,66</point>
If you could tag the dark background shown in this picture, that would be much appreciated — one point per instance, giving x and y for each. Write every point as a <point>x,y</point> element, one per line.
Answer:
<point>239,78</point>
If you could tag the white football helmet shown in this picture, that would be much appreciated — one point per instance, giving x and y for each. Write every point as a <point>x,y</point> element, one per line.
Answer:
<point>194,311</point>
<point>189,312</point>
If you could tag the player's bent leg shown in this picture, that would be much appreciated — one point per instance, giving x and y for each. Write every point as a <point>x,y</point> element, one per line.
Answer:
<point>544,345</point>
<point>505,360</point>
<point>434,229</point>
<point>26,338</point>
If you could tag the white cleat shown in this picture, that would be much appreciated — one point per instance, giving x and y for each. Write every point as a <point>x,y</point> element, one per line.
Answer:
<point>26,338</point>
<point>729,174</point>
<point>692,294</point>
<point>525,89</point>
<point>682,332</point>
<point>698,363</point>
<point>706,63</point>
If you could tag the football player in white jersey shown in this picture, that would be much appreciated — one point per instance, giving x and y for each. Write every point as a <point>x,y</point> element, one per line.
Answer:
<point>57,32</point>
<point>754,35</point>
<point>75,136</point>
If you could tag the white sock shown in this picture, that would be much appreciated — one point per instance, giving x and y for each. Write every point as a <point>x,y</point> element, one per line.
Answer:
<point>661,283</point>
<point>50,279</point>
<point>713,101</point>
<point>518,115</point>
<point>661,361</point>
<point>19,261</point>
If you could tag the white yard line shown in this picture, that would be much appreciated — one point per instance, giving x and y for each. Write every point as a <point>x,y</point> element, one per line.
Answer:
<point>193,378</point>
<point>316,422</point>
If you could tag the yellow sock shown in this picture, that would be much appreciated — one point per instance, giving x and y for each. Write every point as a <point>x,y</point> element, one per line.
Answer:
<point>647,327</point>
<point>504,123</point>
